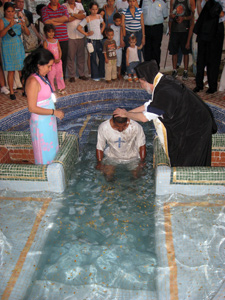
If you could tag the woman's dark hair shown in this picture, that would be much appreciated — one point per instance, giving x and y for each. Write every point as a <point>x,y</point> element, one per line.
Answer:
<point>7,5</point>
<point>39,8</point>
<point>41,57</point>
<point>92,3</point>
<point>100,10</point>
<point>48,27</point>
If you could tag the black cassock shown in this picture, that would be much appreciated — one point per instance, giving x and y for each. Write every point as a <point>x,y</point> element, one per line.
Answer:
<point>188,121</point>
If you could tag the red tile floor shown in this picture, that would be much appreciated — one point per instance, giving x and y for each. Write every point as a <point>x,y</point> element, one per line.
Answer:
<point>8,106</point>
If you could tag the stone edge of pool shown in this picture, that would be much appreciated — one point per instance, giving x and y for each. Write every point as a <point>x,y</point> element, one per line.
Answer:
<point>189,180</point>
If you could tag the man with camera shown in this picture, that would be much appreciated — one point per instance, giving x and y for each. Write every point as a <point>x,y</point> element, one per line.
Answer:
<point>181,14</point>
<point>21,12</point>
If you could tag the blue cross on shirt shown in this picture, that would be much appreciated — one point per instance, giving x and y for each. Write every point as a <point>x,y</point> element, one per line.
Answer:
<point>119,142</point>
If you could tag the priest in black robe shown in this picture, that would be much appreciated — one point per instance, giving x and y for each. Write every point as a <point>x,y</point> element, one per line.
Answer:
<point>188,120</point>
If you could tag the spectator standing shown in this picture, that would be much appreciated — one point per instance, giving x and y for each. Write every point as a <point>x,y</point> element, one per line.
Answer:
<point>133,23</point>
<point>13,52</point>
<point>132,60</point>
<point>95,37</point>
<point>53,46</point>
<point>39,23</point>
<point>110,11</point>
<point>76,44</point>
<point>19,7</point>
<point>4,89</point>
<point>30,43</point>
<point>181,13</point>
<point>154,12</point>
<point>118,37</point>
<point>210,35</point>
<point>109,50</point>
<point>43,125</point>
<point>58,15</point>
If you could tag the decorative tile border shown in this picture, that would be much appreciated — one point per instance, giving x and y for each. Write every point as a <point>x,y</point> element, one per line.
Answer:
<point>19,265</point>
<point>22,177</point>
<point>188,180</point>
<point>169,242</point>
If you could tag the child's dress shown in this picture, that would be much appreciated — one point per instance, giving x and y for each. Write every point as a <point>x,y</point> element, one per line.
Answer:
<point>56,72</point>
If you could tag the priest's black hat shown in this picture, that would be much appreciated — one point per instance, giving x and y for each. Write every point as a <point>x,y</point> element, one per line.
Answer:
<point>147,70</point>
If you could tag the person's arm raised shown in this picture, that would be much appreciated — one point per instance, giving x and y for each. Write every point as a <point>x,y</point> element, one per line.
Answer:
<point>135,115</point>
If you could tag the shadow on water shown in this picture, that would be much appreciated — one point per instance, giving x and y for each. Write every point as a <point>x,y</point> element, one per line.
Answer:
<point>104,232</point>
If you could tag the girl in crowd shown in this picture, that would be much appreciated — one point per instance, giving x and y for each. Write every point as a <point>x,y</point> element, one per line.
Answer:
<point>132,59</point>
<point>53,46</point>
<point>40,95</point>
<point>13,52</point>
<point>95,37</point>
<point>133,23</point>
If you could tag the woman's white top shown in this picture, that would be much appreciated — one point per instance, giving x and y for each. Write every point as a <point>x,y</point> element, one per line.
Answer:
<point>93,25</point>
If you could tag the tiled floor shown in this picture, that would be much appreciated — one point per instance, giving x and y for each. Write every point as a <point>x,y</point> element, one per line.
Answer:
<point>8,106</point>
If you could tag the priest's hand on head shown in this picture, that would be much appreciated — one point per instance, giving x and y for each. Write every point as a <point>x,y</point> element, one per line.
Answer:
<point>119,112</point>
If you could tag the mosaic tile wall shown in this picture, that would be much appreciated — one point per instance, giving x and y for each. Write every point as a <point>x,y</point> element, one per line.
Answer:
<point>12,141</point>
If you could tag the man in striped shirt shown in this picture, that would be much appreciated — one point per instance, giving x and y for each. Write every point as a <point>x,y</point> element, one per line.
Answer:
<point>58,15</point>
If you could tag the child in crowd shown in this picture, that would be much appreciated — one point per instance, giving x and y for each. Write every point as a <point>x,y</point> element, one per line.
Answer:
<point>39,23</point>
<point>95,37</point>
<point>53,46</point>
<point>101,12</point>
<point>118,37</point>
<point>109,50</point>
<point>132,59</point>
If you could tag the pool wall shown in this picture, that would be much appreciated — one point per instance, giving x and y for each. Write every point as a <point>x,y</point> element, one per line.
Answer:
<point>191,180</point>
<point>30,177</point>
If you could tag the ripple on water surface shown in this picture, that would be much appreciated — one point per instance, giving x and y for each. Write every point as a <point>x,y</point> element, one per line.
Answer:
<point>104,232</point>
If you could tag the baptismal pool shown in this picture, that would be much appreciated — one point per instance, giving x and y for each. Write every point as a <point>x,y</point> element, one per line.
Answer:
<point>102,240</point>
<point>110,240</point>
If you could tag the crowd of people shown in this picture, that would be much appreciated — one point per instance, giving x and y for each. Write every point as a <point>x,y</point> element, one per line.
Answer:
<point>118,37</point>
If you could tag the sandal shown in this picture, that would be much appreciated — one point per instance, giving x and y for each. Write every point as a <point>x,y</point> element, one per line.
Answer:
<point>62,92</point>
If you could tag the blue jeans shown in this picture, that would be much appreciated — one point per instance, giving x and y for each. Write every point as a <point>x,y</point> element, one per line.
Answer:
<point>97,69</point>
<point>132,65</point>
<point>138,35</point>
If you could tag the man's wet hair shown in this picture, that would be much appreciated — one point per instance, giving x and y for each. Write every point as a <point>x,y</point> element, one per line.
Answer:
<point>119,120</point>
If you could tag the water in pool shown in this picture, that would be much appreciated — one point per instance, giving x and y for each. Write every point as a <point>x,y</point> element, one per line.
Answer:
<point>102,236</point>
<point>102,241</point>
